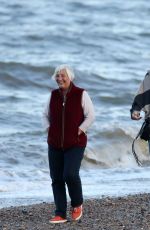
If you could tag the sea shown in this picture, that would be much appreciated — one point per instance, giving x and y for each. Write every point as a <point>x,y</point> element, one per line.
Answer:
<point>107,43</point>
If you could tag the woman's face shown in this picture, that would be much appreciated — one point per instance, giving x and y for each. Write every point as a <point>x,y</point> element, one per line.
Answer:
<point>62,79</point>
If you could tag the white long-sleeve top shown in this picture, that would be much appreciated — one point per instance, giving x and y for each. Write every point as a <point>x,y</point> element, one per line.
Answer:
<point>88,111</point>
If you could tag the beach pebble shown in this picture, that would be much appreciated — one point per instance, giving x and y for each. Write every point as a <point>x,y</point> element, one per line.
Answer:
<point>24,211</point>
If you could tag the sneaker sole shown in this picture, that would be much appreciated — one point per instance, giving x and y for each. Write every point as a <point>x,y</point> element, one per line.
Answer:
<point>57,222</point>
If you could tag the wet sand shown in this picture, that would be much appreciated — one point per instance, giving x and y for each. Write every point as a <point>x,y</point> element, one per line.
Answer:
<point>122,213</point>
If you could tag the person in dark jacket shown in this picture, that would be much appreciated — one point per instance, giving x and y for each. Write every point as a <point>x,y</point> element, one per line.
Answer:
<point>68,115</point>
<point>141,101</point>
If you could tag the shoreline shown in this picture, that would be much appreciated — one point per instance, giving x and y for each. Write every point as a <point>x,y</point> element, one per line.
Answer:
<point>129,213</point>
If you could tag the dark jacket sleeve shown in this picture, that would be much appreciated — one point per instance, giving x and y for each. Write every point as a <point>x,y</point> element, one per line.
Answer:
<point>142,98</point>
<point>138,102</point>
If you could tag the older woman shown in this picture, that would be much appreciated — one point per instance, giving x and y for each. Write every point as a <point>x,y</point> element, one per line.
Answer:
<point>69,114</point>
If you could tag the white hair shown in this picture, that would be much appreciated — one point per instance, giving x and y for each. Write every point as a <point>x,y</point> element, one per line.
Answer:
<point>65,67</point>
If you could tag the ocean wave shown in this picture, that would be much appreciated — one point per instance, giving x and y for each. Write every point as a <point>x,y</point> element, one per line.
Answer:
<point>113,148</point>
<point>12,98</point>
<point>23,133</point>
<point>23,75</point>
<point>25,72</point>
<point>116,154</point>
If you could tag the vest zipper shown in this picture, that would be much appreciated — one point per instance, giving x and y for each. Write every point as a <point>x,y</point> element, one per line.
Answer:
<point>63,121</point>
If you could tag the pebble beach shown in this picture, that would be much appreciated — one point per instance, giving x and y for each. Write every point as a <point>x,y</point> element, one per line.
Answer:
<point>122,213</point>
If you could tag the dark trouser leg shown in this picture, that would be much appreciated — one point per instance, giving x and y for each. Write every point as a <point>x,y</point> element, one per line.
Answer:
<point>72,162</point>
<point>56,164</point>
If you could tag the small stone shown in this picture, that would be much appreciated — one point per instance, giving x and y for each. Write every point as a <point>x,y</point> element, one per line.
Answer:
<point>24,211</point>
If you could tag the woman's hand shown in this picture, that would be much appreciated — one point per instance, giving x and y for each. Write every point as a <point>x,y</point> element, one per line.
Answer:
<point>135,115</point>
<point>79,131</point>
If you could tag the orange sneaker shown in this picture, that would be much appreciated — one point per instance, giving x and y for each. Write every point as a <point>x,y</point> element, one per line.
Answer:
<point>77,213</point>
<point>57,220</point>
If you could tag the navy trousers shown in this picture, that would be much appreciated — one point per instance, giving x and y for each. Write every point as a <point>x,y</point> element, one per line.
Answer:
<point>64,170</point>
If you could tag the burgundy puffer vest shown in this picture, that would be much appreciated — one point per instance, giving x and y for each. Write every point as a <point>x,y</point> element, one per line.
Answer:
<point>65,118</point>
